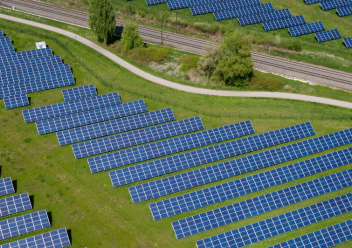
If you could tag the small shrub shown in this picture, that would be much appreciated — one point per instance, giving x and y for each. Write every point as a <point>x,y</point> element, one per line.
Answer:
<point>150,54</point>
<point>141,14</point>
<point>268,83</point>
<point>188,62</point>
<point>71,3</point>
<point>128,9</point>
<point>206,27</point>
<point>295,45</point>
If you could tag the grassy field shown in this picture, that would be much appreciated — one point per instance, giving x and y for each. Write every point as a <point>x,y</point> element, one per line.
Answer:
<point>99,215</point>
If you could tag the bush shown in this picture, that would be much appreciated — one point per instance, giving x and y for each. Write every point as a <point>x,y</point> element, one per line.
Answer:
<point>268,83</point>
<point>188,62</point>
<point>141,14</point>
<point>150,54</point>
<point>206,27</point>
<point>128,9</point>
<point>295,45</point>
<point>129,37</point>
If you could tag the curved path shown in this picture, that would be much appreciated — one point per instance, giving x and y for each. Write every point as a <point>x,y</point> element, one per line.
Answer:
<point>177,86</point>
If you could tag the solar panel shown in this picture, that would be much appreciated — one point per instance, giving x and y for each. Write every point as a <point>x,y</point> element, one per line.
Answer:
<point>15,204</point>
<point>229,190</point>
<point>153,2</point>
<point>7,51</point>
<point>170,146</point>
<point>34,86</point>
<point>17,100</point>
<point>4,39</point>
<point>284,23</point>
<point>79,92</point>
<point>115,126</point>
<point>233,13</point>
<point>280,224</point>
<point>264,17</point>
<point>133,138</point>
<point>333,4</point>
<point>67,108</point>
<point>26,55</point>
<point>348,42</point>
<point>345,11</point>
<point>207,155</point>
<point>328,35</point>
<point>90,117</point>
<point>23,224</point>
<point>213,6</point>
<point>306,29</point>
<point>54,239</point>
<point>327,237</point>
<point>261,204</point>
<point>6,186</point>
<point>314,1</point>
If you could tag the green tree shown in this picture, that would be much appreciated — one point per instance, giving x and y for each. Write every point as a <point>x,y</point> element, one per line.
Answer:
<point>101,19</point>
<point>130,38</point>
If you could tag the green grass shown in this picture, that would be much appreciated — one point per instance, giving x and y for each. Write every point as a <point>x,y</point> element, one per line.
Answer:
<point>99,215</point>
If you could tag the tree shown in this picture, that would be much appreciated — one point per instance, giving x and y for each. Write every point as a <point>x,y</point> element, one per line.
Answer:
<point>129,37</point>
<point>231,62</point>
<point>101,19</point>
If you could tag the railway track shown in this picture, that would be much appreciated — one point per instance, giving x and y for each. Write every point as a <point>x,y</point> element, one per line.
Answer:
<point>293,69</point>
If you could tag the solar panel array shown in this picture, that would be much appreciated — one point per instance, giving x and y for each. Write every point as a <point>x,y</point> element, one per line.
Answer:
<point>284,23</point>
<point>198,177</point>
<point>17,100</point>
<point>327,237</point>
<point>306,29</point>
<point>348,42</point>
<point>23,224</point>
<point>15,204</point>
<point>72,107</point>
<point>6,186</point>
<point>215,6</point>
<point>170,146</point>
<point>261,204</point>
<point>328,35</point>
<point>232,13</point>
<point>153,2</point>
<point>134,138</point>
<point>246,185</point>
<point>54,239</point>
<point>264,17</point>
<point>333,4</point>
<point>26,55</point>
<point>313,1</point>
<point>345,11</point>
<point>280,224</point>
<point>79,92</point>
<point>90,117</point>
<point>115,126</point>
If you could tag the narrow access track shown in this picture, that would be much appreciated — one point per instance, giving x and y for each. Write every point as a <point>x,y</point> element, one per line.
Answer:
<point>284,67</point>
<point>173,85</point>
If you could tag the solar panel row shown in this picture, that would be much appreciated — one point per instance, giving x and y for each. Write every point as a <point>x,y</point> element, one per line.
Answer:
<point>306,29</point>
<point>261,204</point>
<point>280,224</point>
<point>90,117</point>
<point>348,42</point>
<point>246,185</point>
<point>15,204</point>
<point>6,186</point>
<point>328,35</point>
<point>72,107</point>
<point>264,17</point>
<point>115,126</point>
<point>314,1</point>
<point>232,13</point>
<point>54,239</point>
<point>133,138</point>
<point>221,6</point>
<point>284,23</point>
<point>17,100</point>
<point>7,51</point>
<point>327,237</point>
<point>345,11</point>
<point>153,2</point>
<point>79,92</point>
<point>333,4</point>
<point>26,55</point>
<point>215,172</point>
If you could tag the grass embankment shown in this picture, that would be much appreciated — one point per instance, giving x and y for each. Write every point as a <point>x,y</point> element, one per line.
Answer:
<point>99,215</point>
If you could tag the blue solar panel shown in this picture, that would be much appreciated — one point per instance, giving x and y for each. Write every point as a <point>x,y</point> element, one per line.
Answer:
<point>23,224</point>
<point>6,186</point>
<point>280,224</point>
<point>67,108</point>
<point>15,101</point>
<point>7,50</point>
<point>345,11</point>
<point>170,146</point>
<point>246,185</point>
<point>26,55</point>
<point>233,13</point>
<point>264,17</point>
<point>150,190</point>
<point>333,4</point>
<point>348,42</point>
<point>180,4</point>
<point>134,138</point>
<point>54,239</point>
<point>328,35</point>
<point>261,204</point>
<point>284,23</point>
<point>115,126</point>
<point>15,204</point>
<point>34,86</point>
<point>153,2</point>
<point>22,64</point>
<point>90,117</point>
<point>327,237</point>
<point>306,29</point>
<point>213,6</point>
<point>79,92</point>
<point>314,1</point>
